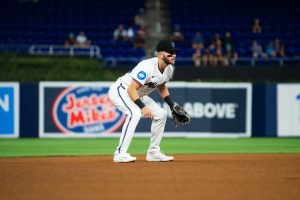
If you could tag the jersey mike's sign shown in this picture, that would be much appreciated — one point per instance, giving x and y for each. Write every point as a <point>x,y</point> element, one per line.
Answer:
<point>83,109</point>
<point>79,110</point>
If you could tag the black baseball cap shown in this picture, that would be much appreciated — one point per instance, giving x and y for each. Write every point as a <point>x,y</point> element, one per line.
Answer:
<point>166,45</point>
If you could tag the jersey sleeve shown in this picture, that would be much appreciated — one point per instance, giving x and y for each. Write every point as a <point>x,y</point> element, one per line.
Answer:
<point>141,73</point>
<point>170,72</point>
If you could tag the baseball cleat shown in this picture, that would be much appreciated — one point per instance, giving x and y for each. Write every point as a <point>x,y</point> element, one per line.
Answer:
<point>123,158</point>
<point>158,157</point>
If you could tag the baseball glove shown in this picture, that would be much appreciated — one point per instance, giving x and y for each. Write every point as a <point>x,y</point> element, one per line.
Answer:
<point>180,116</point>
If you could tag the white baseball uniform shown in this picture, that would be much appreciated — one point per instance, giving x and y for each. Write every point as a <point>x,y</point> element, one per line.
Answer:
<point>149,77</point>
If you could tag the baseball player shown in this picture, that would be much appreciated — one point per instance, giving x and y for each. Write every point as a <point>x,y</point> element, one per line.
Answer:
<point>130,95</point>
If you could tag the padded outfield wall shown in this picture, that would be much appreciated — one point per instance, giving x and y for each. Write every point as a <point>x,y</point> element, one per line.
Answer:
<point>9,110</point>
<point>83,109</point>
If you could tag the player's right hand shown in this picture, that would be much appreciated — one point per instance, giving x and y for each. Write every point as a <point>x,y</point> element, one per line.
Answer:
<point>147,113</point>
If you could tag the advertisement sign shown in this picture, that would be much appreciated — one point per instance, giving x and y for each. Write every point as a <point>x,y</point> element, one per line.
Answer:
<point>77,110</point>
<point>216,110</point>
<point>288,107</point>
<point>9,110</point>
<point>83,109</point>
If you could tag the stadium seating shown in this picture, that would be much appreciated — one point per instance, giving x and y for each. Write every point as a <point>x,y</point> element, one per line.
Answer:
<point>34,22</point>
<point>279,19</point>
<point>50,22</point>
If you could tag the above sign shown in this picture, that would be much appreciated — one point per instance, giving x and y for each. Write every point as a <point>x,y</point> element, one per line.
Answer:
<point>216,109</point>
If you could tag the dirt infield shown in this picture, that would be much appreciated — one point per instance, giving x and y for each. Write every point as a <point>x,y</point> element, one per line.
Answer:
<point>227,176</point>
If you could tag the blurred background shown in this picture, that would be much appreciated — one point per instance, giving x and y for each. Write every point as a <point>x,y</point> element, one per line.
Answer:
<point>255,41</point>
<point>211,33</point>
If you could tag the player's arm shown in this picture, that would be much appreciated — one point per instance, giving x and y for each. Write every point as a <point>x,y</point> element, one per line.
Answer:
<point>132,91</point>
<point>163,90</point>
<point>165,95</point>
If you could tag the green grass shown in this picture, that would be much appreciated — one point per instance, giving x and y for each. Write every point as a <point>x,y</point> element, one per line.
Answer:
<point>106,146</point>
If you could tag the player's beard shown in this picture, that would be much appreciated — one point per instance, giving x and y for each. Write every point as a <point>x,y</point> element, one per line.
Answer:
<point>167,61</point>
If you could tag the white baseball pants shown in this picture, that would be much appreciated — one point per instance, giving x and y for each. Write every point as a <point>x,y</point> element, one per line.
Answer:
<point>119,96</point>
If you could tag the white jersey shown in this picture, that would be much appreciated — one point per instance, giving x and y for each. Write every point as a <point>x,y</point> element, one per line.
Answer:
<point>148,76</point>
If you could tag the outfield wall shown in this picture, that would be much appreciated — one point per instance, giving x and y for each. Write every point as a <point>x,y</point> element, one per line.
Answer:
<point>9,110</point>
<point>288,109</point>
<point>82,109</point>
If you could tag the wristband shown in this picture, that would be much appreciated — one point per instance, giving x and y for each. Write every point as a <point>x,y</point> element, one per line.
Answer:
<point>169,101</point>
<point>139,103</point>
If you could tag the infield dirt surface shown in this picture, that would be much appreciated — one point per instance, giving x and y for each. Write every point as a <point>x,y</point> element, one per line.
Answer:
<point>201,176</point>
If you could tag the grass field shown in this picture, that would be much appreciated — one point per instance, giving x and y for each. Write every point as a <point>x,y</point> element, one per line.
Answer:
<point>106,146</point>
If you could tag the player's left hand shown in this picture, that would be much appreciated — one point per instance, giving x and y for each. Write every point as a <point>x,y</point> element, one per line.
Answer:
<point>180,116</point>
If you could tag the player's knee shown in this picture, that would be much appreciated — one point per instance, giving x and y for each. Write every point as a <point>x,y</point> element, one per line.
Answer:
<point>136,113</point>
<point>162,114</point>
